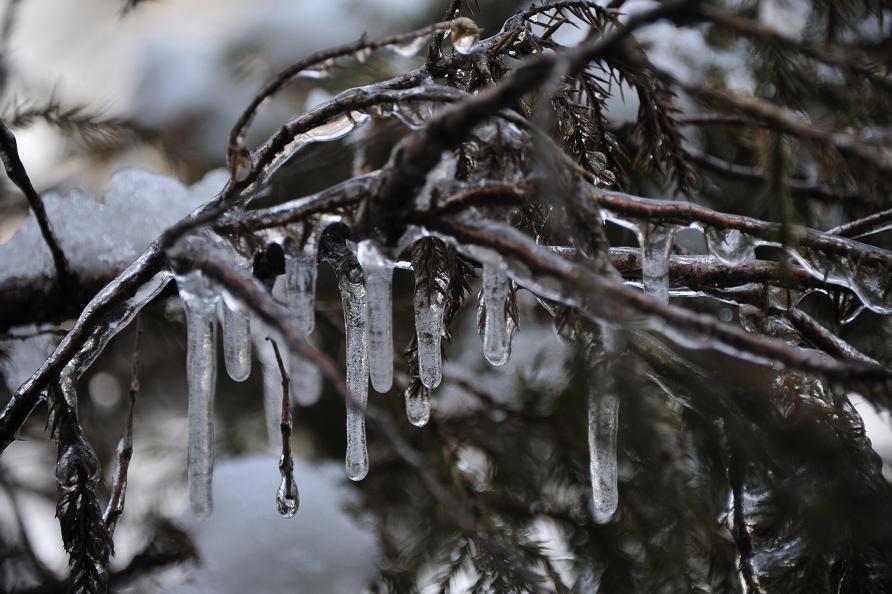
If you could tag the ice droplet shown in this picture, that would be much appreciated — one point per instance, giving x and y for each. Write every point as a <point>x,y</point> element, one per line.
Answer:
<point>465,34</point>
<point>378,272</point>
<point>418,406</point>
<point>730,245</point>
<point>355,304</point>
<point>200,302</point>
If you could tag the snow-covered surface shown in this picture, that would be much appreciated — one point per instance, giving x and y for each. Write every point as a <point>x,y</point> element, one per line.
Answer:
<point>245,546</point>
<point>106,235</point>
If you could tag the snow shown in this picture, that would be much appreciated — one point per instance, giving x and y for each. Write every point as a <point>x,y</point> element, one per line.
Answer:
<point>246,546</point>
<point>101,236</point>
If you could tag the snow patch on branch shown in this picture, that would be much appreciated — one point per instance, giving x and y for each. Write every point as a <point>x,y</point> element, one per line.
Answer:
<point>107,235</point>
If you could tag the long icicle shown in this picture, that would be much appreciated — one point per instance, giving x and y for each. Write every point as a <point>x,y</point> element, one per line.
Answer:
<point>378,272</point>
<point>236,340</point>
<point>200,302</point>
<point>355,304</point>
<point>496,326</point>
<point>603,419</point>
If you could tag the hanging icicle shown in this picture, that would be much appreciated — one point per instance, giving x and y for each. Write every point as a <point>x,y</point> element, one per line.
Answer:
<point>656,241</point>
<point>430,306</point>
<point>300,281</point>
<point>498,327</point>
<point>200,301</point>
<point>378,272</point>
<point>236,339</point>
<point>356,311</point>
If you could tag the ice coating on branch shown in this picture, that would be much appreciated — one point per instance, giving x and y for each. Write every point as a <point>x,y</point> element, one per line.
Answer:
<point>200,301</point>
<point>498,327</point>
<point>300,282</point>
<point>236,339</point>
<point>603,413</point>
<point>870,280</point>
<point>407,50</point>
<point>730,245</point>
<point>377,270</point>
<point>355,304</point>
<point>135,209</point>
<point>656,241</point>
<point>430,306</point>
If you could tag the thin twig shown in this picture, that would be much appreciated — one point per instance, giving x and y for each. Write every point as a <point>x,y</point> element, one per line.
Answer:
<point>15,170</point>
<point>288,498</point>
<point>125,446</point>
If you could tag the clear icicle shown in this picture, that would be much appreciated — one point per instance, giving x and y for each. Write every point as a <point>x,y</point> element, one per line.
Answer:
<point>418,406</point>
<point>355,304</point>
<point>200,302</point>
<point>236,340</point>
<point>430,306</point>
<point>306,381</point>
<point>300,282</point>
<point>603,412</point>
<point>656,241</point>
<point>378,272</point>
<point>498,328</point>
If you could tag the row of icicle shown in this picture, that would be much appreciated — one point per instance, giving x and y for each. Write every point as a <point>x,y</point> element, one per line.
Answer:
<point>367,305</point>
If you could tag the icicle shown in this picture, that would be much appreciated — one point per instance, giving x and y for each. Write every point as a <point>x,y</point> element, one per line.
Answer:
<point>378,272</point>
<point>306,381</point>
<point>300,282</point>
<point>656,241</point>
<point>200,301</point>
<point>236,339</point>
<point>430,306</point>
<point>498,328</point>
<point>603,411</point>
<point>355,304</point>
<point>418,406</point>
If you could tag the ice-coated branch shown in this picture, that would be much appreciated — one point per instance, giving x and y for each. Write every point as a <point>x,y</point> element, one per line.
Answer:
<point>418,153</point>
<point>124,451</point>
<point>15,171</point>
<point>604,300</point>
<point>686,213</point>
<point>315,65</point>
<point>287,497</point>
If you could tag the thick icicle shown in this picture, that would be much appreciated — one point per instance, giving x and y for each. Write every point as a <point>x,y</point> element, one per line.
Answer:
<point>236,340</point>
<point>378,272</point>
<point>730,245</point>
<point>430,306</point>
<point>300,282</point>
<point>200,301</point>
<point>355,304</point>
<point>498,328</point>
<point>656,241</point>
<point>603,412</point>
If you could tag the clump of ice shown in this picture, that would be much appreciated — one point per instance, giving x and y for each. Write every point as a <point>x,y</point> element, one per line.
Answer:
<point>104,236</point>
